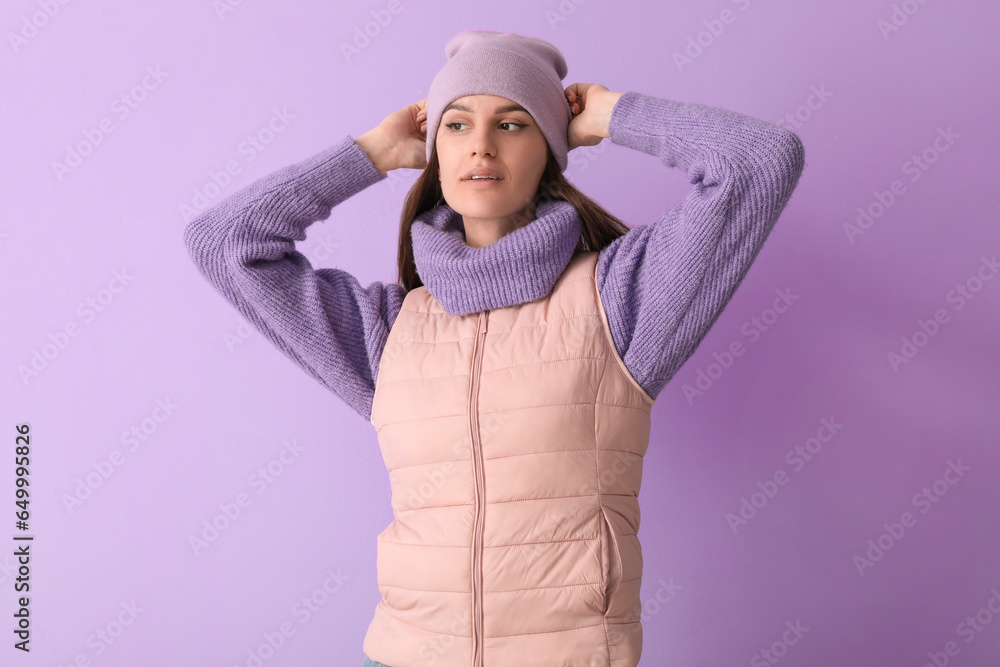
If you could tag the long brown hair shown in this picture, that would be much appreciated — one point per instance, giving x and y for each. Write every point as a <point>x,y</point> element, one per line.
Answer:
<point>600,228</point>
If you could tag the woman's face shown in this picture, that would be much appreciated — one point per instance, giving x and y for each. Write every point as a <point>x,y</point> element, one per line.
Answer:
<point>493,132</point>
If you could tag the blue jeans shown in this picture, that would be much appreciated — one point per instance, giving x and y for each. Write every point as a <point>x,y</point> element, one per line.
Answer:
<point>371,663</point>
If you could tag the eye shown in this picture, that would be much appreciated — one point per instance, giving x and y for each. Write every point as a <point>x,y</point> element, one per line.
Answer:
<point>506,122</point>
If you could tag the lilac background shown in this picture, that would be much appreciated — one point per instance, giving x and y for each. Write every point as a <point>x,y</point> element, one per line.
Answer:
<point>168,336</point>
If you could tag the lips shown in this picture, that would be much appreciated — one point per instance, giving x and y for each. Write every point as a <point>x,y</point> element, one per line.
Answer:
<point>482,171</point>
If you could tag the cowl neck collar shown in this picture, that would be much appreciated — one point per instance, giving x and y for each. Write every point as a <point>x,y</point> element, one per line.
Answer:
<point>520,267</point>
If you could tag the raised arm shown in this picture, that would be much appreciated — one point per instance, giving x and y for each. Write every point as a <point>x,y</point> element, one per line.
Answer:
<point>664,284</point>
<point>322,319</point>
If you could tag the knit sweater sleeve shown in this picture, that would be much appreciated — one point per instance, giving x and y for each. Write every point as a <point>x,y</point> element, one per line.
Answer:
<point>664,284</point>
<point>322,319</point>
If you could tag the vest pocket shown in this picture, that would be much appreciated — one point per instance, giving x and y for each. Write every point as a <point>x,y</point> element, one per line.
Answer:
<point>611,560</point>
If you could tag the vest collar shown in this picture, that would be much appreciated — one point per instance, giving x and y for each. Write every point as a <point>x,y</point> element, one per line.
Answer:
<point>519,267</point>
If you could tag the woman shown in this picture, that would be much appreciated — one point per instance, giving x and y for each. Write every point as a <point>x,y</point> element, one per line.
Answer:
<point>511,370</point>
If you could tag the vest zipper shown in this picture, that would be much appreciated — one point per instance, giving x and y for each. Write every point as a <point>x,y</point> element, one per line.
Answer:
<point>480,483</point>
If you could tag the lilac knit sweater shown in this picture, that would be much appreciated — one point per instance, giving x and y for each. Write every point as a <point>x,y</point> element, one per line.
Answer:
<point>663,285</point>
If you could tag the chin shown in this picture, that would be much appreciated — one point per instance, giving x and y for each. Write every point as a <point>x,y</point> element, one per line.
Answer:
<point>470,206</point>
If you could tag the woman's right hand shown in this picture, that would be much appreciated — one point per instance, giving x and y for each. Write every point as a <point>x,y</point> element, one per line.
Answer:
<point>400,140</point>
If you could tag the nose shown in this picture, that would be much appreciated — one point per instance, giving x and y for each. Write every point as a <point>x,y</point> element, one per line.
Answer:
<point>483,141</point>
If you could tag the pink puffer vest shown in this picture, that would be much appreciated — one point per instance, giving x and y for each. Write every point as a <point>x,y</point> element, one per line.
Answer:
<point>514,440</point>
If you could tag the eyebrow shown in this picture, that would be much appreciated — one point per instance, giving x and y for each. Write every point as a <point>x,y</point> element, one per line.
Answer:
<point>498,111</point>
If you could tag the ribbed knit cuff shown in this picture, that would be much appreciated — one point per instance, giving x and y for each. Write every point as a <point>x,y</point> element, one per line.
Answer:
<point>338,172</point>
<point>678,132</point>
<point>643,122</point>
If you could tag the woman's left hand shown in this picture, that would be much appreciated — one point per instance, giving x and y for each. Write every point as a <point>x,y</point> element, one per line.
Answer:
<point>591,105</point>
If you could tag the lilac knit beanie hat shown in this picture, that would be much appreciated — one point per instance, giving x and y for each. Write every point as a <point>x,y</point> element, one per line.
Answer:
<point>527,70</point>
